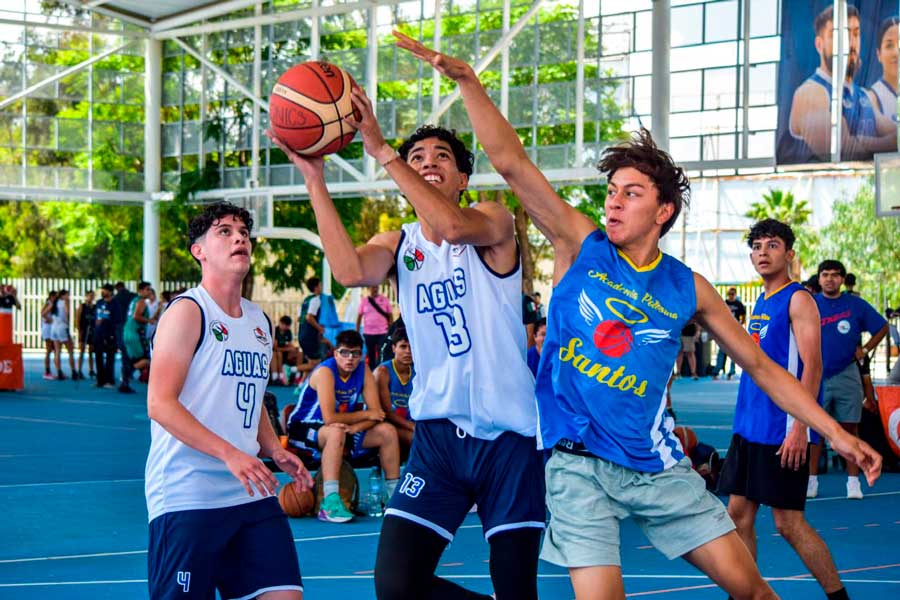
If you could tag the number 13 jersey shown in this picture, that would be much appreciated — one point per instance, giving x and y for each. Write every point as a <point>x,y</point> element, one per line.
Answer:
<point>464,323</point>
<point>224,390</point>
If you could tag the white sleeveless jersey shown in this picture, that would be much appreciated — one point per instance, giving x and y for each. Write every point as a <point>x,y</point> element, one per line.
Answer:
<point>224,390</point>
<point>464,323</point>
<point>887,99</point>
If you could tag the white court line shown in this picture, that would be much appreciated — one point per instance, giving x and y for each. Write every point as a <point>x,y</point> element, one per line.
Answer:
<point>366,577</point>
<point>67,423</point>
<point>868,495</point>
<point>68,483</point>
<point>129,552</point>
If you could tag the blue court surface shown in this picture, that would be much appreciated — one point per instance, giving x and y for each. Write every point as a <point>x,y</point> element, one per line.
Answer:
<point>73,521</point>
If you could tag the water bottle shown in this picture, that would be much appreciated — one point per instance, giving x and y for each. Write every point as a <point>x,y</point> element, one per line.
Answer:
<point>375,497</point>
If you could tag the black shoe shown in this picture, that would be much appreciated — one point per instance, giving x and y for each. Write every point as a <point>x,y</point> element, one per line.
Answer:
<point>126,389</point>
<point>61,376</point>
<point>92,374</point>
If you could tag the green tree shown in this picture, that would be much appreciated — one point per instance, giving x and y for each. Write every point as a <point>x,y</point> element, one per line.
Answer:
<point>866,244</point>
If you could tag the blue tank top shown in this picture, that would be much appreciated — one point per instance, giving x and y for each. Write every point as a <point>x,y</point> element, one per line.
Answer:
<point>856,107</point>
<point>756,418</point>
<point>347,394</point>
<point>613,333</point>
<point>400,390</point>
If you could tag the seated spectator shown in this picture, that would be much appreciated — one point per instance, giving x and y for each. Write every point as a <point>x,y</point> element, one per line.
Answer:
<point>284,353</point>
<point>395,385</point>
<point>534,353</point>
<point>339,410</point>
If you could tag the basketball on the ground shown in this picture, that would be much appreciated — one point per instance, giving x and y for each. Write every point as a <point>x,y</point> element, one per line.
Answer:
<point>687,437</point>
<point>307,108</point>
<point>294,503</point>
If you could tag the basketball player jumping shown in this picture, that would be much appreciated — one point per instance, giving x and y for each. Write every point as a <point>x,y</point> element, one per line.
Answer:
<point>613,334</point>
<point>459,289</point>
<point>214,521</point>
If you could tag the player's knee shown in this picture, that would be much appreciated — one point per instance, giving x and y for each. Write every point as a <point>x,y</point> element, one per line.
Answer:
<point>334,435</point>
<point>787,524</point>
<point>389,432</point>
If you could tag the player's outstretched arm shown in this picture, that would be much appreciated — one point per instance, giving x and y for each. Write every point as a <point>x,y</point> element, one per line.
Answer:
<point>564,226</point>
<point>782,387</point>
<point>352,267</point>
<point>173,349</point>
<point>488,224</point>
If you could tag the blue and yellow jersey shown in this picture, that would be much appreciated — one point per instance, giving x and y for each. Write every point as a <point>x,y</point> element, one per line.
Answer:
<point>756,418</point>
<point>612,338</point>
<point>347,394</point>
<point>400,389</point>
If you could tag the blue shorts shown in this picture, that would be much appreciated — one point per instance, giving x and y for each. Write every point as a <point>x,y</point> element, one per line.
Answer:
<point>241,551</point>
<point>449,471</point>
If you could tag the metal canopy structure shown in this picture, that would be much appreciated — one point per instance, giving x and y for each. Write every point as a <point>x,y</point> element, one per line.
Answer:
<point>622,56</point>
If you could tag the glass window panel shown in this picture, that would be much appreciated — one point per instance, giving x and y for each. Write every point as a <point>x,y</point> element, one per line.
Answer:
<point>721,21</point>
<point>134,139</point>
<point>762,117</point>
<point>642,95</point>
<point>40,132</point>
<point>133,88</point>
<point>761,144</point>
<point>763,18</point>
<point>687,25</point>
<point>765,50</point>
<point>73,87</point>
<point>718,147</point>
<point>615,36</point>
<point>720,88</point>
<point>721,54</point>
<point>685,149</point>
<point>762,83</point>
<point>643,34</point>
<point>171,139</point>
<point>73,134</point>
<point>685,91</point>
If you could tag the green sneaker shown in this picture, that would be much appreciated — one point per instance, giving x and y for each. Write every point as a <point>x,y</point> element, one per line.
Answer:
<point>333,510</point>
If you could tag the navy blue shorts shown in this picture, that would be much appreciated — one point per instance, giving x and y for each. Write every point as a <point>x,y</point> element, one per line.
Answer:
<point>305,435</point>
<point>449,471</point>
<point>241,551</point>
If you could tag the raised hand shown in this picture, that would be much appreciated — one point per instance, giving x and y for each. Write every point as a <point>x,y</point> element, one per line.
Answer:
<point>367,124</point>
<point>452,68</point>
<point>308,165</point>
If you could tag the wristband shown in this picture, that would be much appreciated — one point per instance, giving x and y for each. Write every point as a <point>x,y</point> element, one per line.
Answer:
<point>385,154</point>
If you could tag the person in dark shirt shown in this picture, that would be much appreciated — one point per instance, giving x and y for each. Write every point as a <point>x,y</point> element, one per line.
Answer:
<point>285,353</point>
<point>85,320</point>
<point>9,297</point>
<point>104,331</point>
<point>119,309</point>
<point>739,312</point>
<point>689,335</point>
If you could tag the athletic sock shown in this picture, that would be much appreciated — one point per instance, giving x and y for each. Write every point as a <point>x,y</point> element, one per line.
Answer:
<point>331,487</point>
<point>390,485</point>
<point>840,594</point>
<point>814,478</point>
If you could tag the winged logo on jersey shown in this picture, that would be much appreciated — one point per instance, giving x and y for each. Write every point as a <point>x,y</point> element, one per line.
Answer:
<point>612,337</point>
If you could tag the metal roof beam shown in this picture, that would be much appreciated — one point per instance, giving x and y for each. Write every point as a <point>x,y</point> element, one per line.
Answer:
<point>200,14</point>
<point>100,10</point>
<point>76,28</point>
<point>54,78</point>
<point>268,19</point>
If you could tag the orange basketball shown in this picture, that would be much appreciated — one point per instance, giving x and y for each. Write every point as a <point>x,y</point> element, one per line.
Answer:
<point>687,437</point>
<point>307,108</point>
<point>295,504</point>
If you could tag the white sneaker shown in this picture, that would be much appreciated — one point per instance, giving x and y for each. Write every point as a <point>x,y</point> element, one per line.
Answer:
<point>812,488</point>
<point>854,492</point>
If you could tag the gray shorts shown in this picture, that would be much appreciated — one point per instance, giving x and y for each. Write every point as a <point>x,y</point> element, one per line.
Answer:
<point>843,395</point>
<point>587,497</point>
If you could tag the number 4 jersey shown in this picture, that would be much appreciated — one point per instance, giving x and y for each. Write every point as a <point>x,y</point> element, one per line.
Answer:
<point>224,390</point>
<point>468,342</point>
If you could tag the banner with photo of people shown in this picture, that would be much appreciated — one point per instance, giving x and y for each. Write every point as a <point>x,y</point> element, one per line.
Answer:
<point>805,77</point>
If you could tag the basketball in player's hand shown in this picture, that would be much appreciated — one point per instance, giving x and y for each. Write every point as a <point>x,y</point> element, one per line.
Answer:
<point>294,503</point>
<point>307,108</point>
